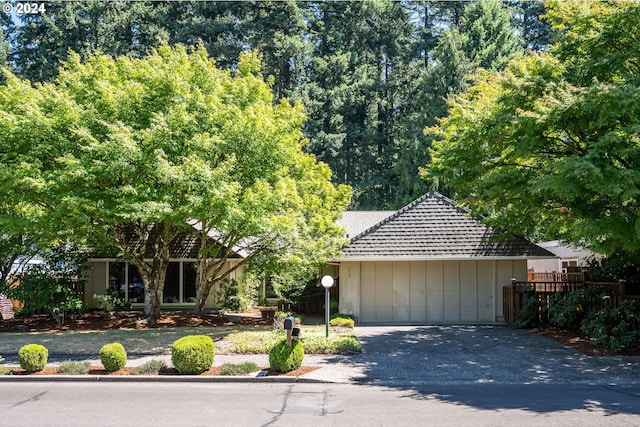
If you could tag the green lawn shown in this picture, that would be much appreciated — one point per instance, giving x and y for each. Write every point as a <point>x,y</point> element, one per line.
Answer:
<point>228,339</point>
<point>313,339</point>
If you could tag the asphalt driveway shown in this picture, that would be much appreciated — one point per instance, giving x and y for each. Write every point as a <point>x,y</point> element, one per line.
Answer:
<point>414,355</point>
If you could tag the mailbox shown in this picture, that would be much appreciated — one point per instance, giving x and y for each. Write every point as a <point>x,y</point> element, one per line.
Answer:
<point>288,323</point>
<point>288,326</point>
<point>295,333</point>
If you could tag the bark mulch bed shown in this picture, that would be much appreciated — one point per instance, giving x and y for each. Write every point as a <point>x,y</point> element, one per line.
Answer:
<point>578,341</point>
<point>99,320</point>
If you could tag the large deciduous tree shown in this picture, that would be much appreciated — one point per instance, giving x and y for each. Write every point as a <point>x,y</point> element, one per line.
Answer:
<point>130,153</point>
<point>553,144</point>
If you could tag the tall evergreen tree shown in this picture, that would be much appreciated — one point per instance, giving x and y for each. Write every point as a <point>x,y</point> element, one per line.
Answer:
<point>278,30</point>
<point>221,26</point>
<point>534,30</point>
<point>43,41</point>
<point>357,78</point>
<point>491,39</point>
<point>484,38</point>
<point>371,74</point>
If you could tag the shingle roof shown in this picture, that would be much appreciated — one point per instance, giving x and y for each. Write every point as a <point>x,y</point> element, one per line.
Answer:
<point>183,245</point>
<point>355,222</point>
<point>433,227</point>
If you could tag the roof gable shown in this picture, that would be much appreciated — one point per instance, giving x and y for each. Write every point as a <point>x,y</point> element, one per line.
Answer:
<point>434,227</point>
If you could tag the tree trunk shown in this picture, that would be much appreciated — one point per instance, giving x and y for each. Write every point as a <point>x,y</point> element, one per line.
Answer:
<point>153,297</point>
<point>156,238</point>
<point>202,293</point>
<point>209,268</point>
<point>212,258</point>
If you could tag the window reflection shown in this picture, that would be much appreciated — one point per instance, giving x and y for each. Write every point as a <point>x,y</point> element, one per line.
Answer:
<point>136,286</point>
<point>117,278</point>
<point>189,281</point>
<point>177,288</point>
<point>172,283</point>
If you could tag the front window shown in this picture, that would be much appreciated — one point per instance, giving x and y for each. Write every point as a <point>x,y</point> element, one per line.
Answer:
<point>172,284</point>
<point>189,282</point>
<point>118,278</point>
<point>136,285</point>
<point>179,284</point>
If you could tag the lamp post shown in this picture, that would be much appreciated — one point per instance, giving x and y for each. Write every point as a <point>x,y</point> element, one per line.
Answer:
<point>327,282</point>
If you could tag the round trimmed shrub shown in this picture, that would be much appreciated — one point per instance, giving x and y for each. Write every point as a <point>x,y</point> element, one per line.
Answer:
<point>33,357</point>
<point>193,354</point>
<point>283,358</point>
<point>113,356</point>
<point>342,322</point>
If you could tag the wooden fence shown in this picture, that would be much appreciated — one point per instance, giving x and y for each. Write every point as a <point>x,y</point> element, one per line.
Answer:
<point>573,277</point>
<point>513,296</point>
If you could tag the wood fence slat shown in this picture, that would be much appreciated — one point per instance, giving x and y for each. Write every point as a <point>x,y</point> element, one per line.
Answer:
<point>544,290</point>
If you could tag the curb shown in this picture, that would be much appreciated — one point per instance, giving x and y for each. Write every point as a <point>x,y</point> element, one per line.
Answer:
<point>158,378</point>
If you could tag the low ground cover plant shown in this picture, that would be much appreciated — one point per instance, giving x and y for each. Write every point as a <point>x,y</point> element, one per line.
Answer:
<point>152,367</point>
<point>313,338</point>
<point>3,369</point>
<point>238,368</point>
<point>113,356</point>
<point>193,354</point>
<point>33,357</point>
<point>74,367</point>
<point>341,321</point>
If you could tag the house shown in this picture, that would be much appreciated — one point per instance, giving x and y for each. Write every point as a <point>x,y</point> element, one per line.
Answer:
<point>569,259</point>
<point>429,262</point>
<point>108,271</point>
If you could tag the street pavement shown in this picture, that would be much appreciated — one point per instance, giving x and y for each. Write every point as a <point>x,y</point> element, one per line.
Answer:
<point>433,355</point>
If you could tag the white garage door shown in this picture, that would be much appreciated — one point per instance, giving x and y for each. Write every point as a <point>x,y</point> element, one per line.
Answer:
<point>427,291</point>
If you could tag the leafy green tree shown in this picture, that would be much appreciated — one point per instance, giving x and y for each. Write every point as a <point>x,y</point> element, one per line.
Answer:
<point>131,154</point>
<point>549,147</point>
<point>53,286</point>
<point>268,200</point>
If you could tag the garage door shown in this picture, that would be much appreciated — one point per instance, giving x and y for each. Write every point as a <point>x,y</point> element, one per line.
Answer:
<point>426,292</point>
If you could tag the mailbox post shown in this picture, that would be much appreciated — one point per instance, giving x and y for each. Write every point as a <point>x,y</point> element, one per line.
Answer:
<point>288,326</point>
<point>327,282</point>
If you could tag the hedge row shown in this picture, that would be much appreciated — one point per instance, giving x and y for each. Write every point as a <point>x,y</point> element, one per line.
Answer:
<point>190,355</point>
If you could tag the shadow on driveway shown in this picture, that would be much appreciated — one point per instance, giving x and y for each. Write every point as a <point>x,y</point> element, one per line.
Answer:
<point>494,367</point>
